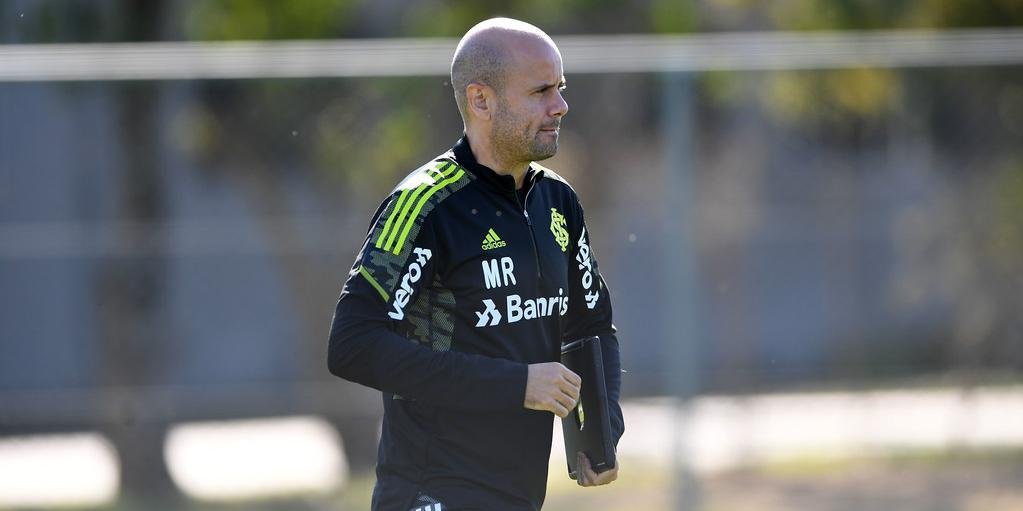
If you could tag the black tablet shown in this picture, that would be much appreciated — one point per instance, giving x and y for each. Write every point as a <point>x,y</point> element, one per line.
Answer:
<point>588,427</point>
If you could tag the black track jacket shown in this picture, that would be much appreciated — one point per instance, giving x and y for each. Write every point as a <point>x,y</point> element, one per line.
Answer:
<point>461,283</point>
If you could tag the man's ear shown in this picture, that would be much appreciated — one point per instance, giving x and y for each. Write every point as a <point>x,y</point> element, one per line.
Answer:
<point>479,99</point>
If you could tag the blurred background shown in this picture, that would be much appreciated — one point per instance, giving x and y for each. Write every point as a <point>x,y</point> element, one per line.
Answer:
<point>810,214</point>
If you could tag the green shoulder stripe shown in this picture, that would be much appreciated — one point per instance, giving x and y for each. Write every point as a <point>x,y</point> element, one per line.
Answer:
<point>390,217</point>
<point>405,201</point>
<point>374,283</point>
<point>419,207</point>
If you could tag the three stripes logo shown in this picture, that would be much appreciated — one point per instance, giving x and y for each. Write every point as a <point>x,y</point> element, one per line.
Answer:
<point>431,507</point>
<point>410,203</point>
<point>427,503</point>
<point>492,241</point>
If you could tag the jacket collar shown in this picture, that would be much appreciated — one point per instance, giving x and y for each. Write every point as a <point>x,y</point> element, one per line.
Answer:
<point>505,183</point>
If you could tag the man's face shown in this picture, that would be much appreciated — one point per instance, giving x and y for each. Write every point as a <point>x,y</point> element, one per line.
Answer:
<point>530,106</point>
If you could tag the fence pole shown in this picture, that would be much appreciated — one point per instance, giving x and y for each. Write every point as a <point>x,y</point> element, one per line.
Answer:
<point>678,307</point>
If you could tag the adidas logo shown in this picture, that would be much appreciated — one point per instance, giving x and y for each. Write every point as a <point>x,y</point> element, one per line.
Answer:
<point>493,241</point>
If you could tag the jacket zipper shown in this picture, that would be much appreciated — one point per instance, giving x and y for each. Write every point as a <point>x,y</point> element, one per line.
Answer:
<point>529,225</point>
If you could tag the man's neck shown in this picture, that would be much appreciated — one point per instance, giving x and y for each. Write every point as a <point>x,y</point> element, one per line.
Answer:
<point>483,151</point>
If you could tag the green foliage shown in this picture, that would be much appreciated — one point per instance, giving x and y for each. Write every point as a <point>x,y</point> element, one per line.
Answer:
<point>966,13</point>
<point>891,14</point>
<point>434,19</point>
<point>50,23</point>
<point>837,95</point>
<point>672,16</point>
<point>116,20</point>
<point>268,19</point>
<point>721,87</point>
<point>452,19</point>
<point>1007,243</point>
<point>837,15</point>
<point>367,141</point>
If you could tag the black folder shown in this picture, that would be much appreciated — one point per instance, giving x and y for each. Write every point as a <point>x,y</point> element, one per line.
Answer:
<point>588,426</point>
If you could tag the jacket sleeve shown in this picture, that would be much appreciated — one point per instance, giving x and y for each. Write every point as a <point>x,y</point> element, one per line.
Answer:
<point>366,346</point>
<point>589,314</point>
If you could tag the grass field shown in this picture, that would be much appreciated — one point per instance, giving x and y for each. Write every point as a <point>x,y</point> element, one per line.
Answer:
<point>931,449</point>
<point>968,482</point>
<point>991,481</point>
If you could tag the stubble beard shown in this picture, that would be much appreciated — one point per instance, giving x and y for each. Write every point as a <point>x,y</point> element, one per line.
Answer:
<point>543,150</point>
<point>516,142</point>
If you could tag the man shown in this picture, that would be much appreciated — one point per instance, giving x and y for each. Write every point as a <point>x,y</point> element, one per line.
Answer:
<point>475,270</point>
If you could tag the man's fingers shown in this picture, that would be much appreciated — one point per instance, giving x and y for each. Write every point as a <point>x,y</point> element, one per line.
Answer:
<point>560,410</point>
<point>552,387</point>
<point>585,475</point>
<point>572,378</point>
<point>558,403</point>
<point>569,400</point>
<point>570,390</point>
<point>605,477</point>
<point>582,469</point>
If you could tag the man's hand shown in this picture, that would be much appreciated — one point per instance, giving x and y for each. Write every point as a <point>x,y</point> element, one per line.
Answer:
<point>552,387</point>
<point>585,476</point>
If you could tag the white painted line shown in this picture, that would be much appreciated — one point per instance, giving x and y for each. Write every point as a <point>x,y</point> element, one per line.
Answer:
<point>255,458</point>
<point>726,432</point>
<point>76,470</point>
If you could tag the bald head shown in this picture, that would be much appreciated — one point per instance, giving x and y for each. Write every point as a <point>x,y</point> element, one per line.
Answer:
<point>486,52</point>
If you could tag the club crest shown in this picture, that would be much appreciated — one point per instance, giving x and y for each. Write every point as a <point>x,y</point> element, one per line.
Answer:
<point>558,224</point>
